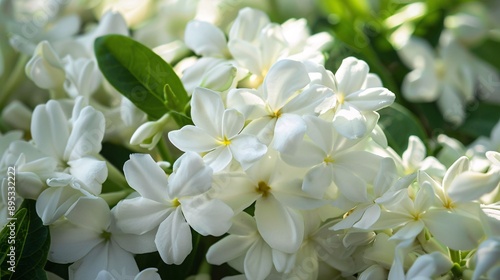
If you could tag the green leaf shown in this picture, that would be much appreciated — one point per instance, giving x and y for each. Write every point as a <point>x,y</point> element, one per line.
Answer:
<point>140,75</point>
<point>481,120</point>
<point>398,124</point>
<point>488,51</point>
<point>28,240</point>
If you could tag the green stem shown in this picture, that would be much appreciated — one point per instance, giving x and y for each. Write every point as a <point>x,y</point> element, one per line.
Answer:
<point>116,180</point>
<point>164,151</point>
<point>205,268</point>
<point>15,78</point>
<point>114,197</point>
<point>455,256</point>
<point>58,93</point>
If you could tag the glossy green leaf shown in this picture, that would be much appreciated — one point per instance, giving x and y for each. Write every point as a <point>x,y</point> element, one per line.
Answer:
<point>398,124</point>
<point>140,75</point>
<point>30,244</point>
<point>488,51</point>
<point>481,120</point>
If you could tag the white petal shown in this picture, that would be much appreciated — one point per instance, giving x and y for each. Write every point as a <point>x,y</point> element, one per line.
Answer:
<point>409,231</point>
<point>247,55</point>
<point>139,215</point>
<point>112,22</point>
<point>415,152</point>
<point>373,272</point>
<point>371,99</point>
<point>487,257</point>
<point>190,176</point>
<point>134,243</point>
<point>207,216</point>
<point>370,216</point>
<point>238,192</point>
<point>232,123</point>
<point>207,110</point>
<point>430,265</point>
<point>350,122</point>
<point>91,213</point>
<point>205,39</point>
<point>469,186</point>
<point>451,105</point>
<point>146,177</point>
<point>321,131</point>
<point>283,79</point>
<point>192,138</point>
<point>248,25</point>
<point>290,194</point>
<point>263,128</point>
<point>420,85</point>
<point>459,166</point>
<point>106,256</point>
<point>148,274</point>
<point>417,53</point>
<point>317,180</point>
<point>288,133</point>
<point>219,158</point>
<point>307,154</point>
<point>349,183</point>
<point>258,261</point>
<point>248,102</point>
<point>281,227</point>
<point>173,239</point>
<point>86,135</point>
<point>308,100</point>
<point>247,149</point>
<point>272,44</point>
<point>50,129</point>
<point>351,75</point>
<point>70,243</point>
<point>228,248</point>
<point>55,202</point>
<point>120,260</point>
<point>466,231</point>
<point>425,198</point>
<point>91,172</point>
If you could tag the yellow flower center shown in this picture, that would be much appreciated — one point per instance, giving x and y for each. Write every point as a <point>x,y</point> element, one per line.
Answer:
<point>263,188</point>
<point>176,202</point>
<point>340,98</point>
<point>225,141</point>
<point>328,159</point>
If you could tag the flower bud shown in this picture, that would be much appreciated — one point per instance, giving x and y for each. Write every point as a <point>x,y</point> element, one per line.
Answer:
<point>148,134</point>
<point>45,68</point>
<point>220,78</point>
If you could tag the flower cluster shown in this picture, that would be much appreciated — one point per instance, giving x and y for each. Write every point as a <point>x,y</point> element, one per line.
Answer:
<point>199,145</point>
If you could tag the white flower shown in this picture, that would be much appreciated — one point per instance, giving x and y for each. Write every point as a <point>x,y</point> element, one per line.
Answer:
<point>330,157</point>
<point>357,96</point>
<point>88,239</point>
<point>275,110</point>
<point>246,250</point>
<point>445,78</point>
<point>146,274</point>
<point>168,206</point>
<point>217,132</point>
<point>278,198</point>
<point>415,158</point>
<point>64,154</point>
<point>368,212</point>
